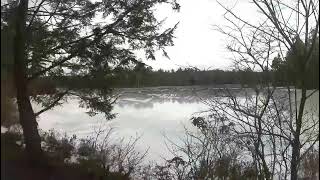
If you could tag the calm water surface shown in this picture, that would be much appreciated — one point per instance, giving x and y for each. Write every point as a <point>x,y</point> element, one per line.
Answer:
<point>150,113</point>
<point>147,112</point>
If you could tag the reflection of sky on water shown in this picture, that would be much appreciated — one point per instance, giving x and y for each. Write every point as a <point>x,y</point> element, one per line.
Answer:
<point>150,112</point>
<point>143,112</point>
<point>167,118</point>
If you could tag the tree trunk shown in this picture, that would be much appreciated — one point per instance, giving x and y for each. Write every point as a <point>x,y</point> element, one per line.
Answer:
<point>296,141</point>
<point>26,114</point>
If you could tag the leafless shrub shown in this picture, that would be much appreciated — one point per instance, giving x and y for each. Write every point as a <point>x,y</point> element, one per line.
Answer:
<point>121,157</point>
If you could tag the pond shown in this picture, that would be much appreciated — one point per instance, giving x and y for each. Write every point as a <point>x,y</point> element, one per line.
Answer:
<point>153,114</point>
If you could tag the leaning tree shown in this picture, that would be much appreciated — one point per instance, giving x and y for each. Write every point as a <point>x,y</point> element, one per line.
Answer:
<point>77,38</point>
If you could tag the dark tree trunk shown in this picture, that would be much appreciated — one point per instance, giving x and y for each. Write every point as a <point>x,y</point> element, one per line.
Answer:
<point>296,141</point>
<point>26,114</point>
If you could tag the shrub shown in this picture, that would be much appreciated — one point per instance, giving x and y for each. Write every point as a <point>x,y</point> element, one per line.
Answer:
<point>58,148</point>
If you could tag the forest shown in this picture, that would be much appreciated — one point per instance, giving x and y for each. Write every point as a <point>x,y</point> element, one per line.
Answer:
<point>146,77</point>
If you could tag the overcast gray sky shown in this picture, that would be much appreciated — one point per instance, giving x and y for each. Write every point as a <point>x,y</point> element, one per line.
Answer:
<point>196,42</point>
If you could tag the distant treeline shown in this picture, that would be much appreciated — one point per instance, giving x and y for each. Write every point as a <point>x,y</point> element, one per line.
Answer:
<point>146,77</point>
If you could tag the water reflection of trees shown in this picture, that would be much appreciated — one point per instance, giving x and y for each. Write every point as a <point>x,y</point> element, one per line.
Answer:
<point>147,97</point>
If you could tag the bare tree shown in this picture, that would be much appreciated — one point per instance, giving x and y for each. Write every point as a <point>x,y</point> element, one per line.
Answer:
<point>274,125</point>
<point>277,123</point>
